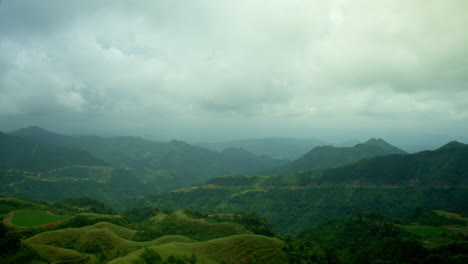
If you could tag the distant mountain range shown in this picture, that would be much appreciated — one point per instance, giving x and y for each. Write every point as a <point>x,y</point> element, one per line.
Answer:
<point>33,155</point>
<point>280,148</point>
<point>442,168</point>
<point>186,163</point>
<point>324,157</point>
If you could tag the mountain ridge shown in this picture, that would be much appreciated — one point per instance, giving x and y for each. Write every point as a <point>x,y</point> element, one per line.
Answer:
<point>171,164</point>
<point>324,157</point>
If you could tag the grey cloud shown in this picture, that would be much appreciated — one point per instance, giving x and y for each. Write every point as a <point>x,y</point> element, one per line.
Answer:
<point>301,62</point>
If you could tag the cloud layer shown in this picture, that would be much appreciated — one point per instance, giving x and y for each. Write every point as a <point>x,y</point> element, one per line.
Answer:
<point>234,68</point>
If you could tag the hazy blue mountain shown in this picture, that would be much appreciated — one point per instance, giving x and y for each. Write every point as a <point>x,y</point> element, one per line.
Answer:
<point>280,148</point>
<point>324,157</point>
<point>35,155</point>
<point>165,164</point>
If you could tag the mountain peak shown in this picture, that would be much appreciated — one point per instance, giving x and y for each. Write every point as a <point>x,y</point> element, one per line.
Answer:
<point>32,130</point>
<point>379,146</point>
<point>453,145</point>
<point>376,142</point>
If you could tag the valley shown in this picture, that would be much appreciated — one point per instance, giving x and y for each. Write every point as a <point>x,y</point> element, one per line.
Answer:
<point>76,202</point>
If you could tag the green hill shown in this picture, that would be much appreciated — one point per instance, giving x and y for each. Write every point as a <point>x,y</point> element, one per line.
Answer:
<point>103,242</point>
<point>187,237</point>
<point>325,157</point>
<point>233,249</point>
<point>198,229</point>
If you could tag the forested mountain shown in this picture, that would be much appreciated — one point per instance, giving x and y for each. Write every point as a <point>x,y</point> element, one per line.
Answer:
<point>324,157</point>
<point>167,164</point>
<point>443,167</point>
<point>280,148</point>
<point>390,185</point>
<point>34,155</point>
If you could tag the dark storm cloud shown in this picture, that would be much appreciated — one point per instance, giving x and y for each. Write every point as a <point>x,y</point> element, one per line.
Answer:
<point>183,64</point>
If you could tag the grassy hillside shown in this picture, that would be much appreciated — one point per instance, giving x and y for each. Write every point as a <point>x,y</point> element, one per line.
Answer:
<point>106,242</point>
<point>233,249</point>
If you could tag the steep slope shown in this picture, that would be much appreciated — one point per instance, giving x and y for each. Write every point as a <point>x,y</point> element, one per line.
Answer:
<point>166,165</point>
<point>325,157</point>
<point>34,155</point>
<point>444,167</point>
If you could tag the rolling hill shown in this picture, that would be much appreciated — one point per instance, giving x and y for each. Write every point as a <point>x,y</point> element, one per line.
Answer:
<point>86,238</point>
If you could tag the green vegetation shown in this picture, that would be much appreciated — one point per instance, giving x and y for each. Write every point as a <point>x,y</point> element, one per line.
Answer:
<point>161,236</point>
<point>83,205</point>
<point>371,238</point>
<point>27,218</point>
<point>234,218</point>
<point>325,157</point>
<point>103,243</point>
<point>179,223</point>
<point>292,210</point>
<point>12,250</point>
<point>444,167</point>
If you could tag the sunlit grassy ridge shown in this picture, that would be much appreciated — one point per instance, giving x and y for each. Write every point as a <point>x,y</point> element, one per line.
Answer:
<point>233,249</point>
<point>104,241</point>
<point>197,229</point>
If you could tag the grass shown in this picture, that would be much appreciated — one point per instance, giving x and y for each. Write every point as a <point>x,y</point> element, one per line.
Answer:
<point>105,242</point>
<point>229,250</point>
<point>122,232</point>
<point>29,218</point>
<point>63,255</point>
<point>426,231</point>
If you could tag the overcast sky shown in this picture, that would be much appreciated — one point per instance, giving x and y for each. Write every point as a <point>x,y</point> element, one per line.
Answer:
<point>202,70</point>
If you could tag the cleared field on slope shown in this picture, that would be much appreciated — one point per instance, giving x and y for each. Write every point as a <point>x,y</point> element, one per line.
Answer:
<point>29,218</point>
